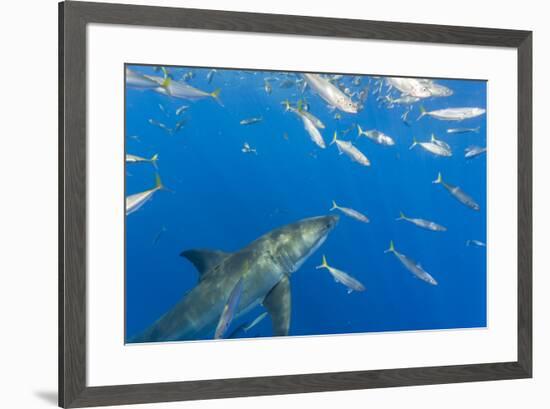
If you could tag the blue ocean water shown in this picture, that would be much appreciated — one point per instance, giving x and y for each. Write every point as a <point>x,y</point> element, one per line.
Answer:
<point>220,197</point>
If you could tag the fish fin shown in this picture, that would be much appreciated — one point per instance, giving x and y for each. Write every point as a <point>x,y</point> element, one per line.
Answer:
<point>154,160</point>
<point>423,112</point>
<point>439,179</point>
<point>432,138</point>
<point>158,182</point>
<point>334,137</point>
<point>278,304</point>
<point>359,130</point>
<point>415,142</point>
<point>300,105</point>
<point>334,205</point>
<point>391,249</point>
<point>468,242</point>
<point>476,130</point>
<point>286,103</point>
<point>324,264</point>
<point>216,95</point>
<point>401,216</point>
<point>204,260</point>
<point>166,82</point>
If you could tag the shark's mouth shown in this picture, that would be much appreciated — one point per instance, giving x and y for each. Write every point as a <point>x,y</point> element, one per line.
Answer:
<point>313,249</point>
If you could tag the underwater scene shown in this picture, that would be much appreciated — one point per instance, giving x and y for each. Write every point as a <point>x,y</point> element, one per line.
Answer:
<point>267,203</point>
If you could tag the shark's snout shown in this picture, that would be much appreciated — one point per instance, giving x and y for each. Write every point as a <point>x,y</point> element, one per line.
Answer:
<point>331,221</point>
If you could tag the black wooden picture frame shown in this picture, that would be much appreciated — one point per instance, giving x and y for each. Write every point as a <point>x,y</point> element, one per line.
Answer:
<point>73,19</point>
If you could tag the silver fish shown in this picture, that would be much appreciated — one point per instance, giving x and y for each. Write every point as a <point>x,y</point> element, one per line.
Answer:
<point>182,90</point>
<point>476,243</point>
<point>401,100</point>
<point>229,310</point>
<point>452,114</point>
<point>457,193</point>
<point>351,151</point>
<point>313,132</point>
<point>473,151</point>
<point>350,212</point>
<point>138,159</point>
<point>433,147</point>
<point>158,236</point>
<point>256,321</point>
<point>287,84</point>
<point>247,149</point>
<point>412,266</point>
<point>463,130</point>
<point>138,81</point>
<point>376,136</point>
<point>210,75</point>
<point>413,87</point>
<point>181,109</point>
<point>136,201</point>
<point>267,87</point>
<point>418,87</point>
<point>330,93</point>
<point>339,276</point>
<point>160,125</point>
<point>251,121</point>
<point>425,224</point>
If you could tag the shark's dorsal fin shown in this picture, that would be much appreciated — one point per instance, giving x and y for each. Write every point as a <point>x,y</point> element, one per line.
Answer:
<point>204,260</point>
<point>278,304</point>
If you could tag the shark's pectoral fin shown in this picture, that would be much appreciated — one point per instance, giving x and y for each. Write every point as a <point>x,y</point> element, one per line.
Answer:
<point>278,304</point>
<point>204,260</point>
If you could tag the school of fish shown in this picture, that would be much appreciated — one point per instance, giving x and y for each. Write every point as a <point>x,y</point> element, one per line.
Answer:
<point>342,99</point>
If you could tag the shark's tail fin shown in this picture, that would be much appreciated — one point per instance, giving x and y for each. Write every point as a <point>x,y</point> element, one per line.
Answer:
<point>423,112</point>
<point>216,95</point>
<point>154,160</point>
<point>415,142</point>
<point>334,205</point>
<point>391,249</point>
<point>439,179</point>
<point>324,264</point>
<point>401,216</point>
<point>334,137</point>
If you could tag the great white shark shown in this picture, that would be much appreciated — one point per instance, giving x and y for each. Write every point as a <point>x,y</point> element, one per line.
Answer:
<point>265,267</point>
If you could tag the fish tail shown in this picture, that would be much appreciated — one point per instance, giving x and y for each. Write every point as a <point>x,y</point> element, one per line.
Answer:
<point>415,142</point>
<point>423,112</point>
<point>476,130</point>
<point>439,179</point>
<point>158,182</point>
<point>334,205</point>
<point>286,103</point>
<point>359,130</point>
<point>401,216</point>
<point>216,95</point>
<point>391,249</point>
<point>468,242</point>
<point>324,264</point>
<point>154,160</point>
<point>334,137</point>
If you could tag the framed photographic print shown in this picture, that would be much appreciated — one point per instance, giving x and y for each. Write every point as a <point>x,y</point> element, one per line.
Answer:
<point>342,204</point>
